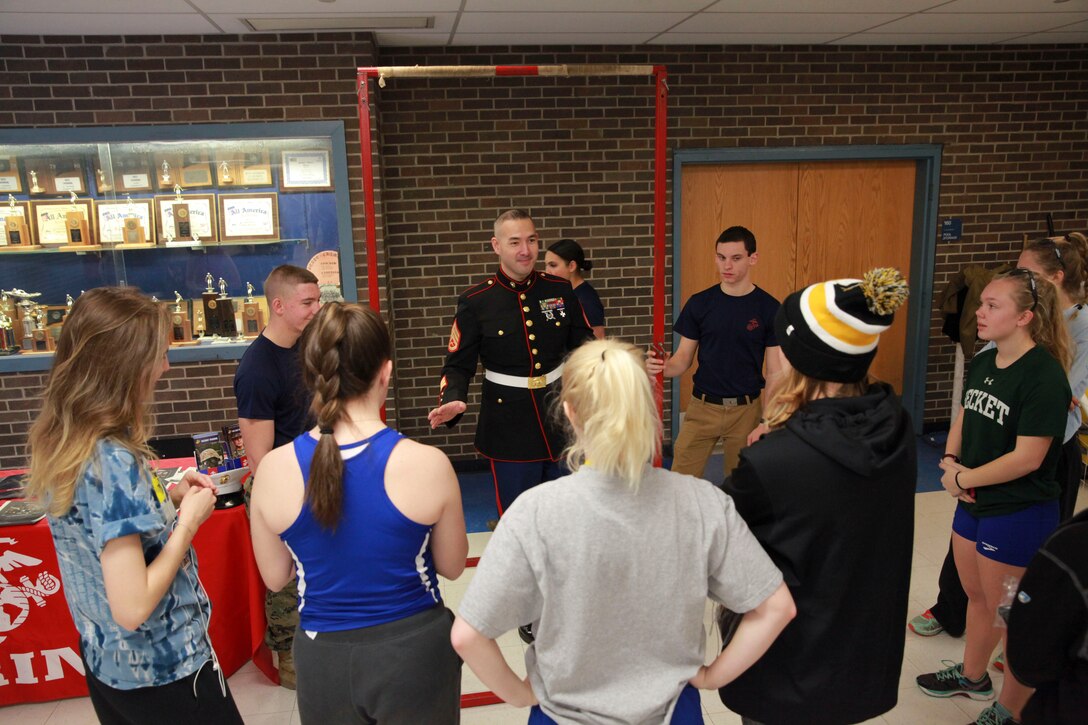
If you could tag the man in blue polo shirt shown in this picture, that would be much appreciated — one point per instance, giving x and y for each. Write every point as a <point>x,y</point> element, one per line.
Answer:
<point>730,327</point>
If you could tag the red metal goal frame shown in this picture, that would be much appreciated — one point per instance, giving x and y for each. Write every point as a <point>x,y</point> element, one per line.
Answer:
<point>661,93</point>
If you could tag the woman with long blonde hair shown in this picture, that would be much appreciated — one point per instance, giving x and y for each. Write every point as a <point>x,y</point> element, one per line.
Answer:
<point>124,551</point>
<point>1000,463</point>
<point>829,493</point>
<point>612,565</point>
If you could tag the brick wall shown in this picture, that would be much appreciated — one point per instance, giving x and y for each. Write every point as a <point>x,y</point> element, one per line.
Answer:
<point>1013,122</point>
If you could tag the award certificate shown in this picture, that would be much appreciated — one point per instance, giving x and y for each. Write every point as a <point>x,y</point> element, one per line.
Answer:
<point>248,217</point>
<point>306,170</point>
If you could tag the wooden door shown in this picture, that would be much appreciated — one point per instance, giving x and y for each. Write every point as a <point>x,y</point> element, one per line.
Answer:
<point>761,197</point>
<point>853,216</point>
<point>812,222</point>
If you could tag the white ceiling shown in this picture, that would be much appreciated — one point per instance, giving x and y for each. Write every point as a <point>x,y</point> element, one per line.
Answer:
<point>578,22</point>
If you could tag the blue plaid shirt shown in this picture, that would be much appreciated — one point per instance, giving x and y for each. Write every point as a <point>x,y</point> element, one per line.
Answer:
<point>115,497</point>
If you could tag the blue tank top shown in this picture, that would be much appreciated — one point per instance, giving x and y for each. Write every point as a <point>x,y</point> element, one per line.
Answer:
<point>376,565</point>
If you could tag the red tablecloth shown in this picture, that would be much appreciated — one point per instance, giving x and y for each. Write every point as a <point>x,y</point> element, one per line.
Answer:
<point>39,647</point>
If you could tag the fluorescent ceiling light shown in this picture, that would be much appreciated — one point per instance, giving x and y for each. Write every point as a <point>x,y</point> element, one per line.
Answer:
<point>341,23</point>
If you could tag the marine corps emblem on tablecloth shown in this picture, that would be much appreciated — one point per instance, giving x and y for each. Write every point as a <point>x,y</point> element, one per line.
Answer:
<point>15,599</point>
<point>551,307</point>
<point>455,338</point>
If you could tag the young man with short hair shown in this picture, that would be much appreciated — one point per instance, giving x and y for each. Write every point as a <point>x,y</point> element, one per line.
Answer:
<point>273,409</point>
<point>730,329</point>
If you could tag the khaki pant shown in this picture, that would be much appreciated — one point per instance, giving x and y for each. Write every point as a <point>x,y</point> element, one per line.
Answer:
<point>704,425</point>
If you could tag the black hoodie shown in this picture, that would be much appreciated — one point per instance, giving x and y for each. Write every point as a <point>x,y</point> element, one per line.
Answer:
<point>831,498</point>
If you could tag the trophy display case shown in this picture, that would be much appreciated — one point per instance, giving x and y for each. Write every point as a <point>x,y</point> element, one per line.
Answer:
<point>165,209</point>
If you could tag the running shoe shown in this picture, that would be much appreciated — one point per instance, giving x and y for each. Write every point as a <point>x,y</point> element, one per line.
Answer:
<point>995,714</point>
<point>950,682</point>
<point>925,624</point>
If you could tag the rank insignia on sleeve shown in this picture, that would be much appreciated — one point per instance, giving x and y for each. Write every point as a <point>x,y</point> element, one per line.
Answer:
<point>455,338</point>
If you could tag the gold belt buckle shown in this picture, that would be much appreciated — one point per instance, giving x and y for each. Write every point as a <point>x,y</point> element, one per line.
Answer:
<point>538,382</point>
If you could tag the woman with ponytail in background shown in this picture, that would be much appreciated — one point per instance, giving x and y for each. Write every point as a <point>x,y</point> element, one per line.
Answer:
<point>1001,463</point>
<point>612,565</point>
<point>566,259</point>
<point>369,519</point>
<point>1063,261</point>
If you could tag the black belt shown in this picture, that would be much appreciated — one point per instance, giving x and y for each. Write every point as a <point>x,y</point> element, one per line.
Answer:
<point>727,402</point>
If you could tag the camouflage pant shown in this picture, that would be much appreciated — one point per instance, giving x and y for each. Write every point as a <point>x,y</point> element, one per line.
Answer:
<point>281,610</point>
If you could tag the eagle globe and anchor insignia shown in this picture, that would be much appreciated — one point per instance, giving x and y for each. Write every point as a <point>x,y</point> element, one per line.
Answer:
<point>15,599</point>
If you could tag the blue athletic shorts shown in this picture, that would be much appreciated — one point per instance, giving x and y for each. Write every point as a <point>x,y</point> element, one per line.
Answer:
<point>1010,539</point>
<point>688,711</point>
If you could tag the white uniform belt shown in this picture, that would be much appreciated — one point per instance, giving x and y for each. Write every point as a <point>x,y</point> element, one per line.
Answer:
<point>533,383</point>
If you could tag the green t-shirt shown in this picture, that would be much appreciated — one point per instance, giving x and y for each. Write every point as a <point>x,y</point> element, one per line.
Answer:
<point>1028,398</point>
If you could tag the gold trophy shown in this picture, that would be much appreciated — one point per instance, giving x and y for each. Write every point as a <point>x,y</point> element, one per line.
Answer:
<point>179,320</point>
<point>8,344</point>
<point>211,316</point>
<point>43,339</point>
<point>252,315</point>
<point>228,325</point>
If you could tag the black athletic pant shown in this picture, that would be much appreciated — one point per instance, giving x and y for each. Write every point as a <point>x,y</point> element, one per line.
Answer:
<point>951,607</point>
<point>172,704</point>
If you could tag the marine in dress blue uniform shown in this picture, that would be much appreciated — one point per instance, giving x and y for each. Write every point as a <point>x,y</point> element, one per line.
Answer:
<point>520,329</point>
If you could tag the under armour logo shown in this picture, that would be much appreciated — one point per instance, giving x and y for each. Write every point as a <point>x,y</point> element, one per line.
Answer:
<point>987,381</point>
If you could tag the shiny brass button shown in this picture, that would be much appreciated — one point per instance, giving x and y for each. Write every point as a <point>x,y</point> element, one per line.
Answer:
<point>500,400</point>
<point>522,295</point>
<point>529,323</point>
<point>491,281</point>
<point>534,351</point>
<point>500,332</point>
<point>537,366</point>
<point>524,309</point>
<point>532,337</point>
<point>557,324</point>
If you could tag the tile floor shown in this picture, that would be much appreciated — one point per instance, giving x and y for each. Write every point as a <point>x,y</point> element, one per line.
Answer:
<point>262,703</point>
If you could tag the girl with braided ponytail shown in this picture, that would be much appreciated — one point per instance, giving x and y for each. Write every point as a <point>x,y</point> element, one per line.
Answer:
<point>368,519</point>
<point>829,493</point>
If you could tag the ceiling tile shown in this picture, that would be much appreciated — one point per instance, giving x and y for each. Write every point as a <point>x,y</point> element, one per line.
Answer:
<point>823,6</point>
<point>550,38</point>
<point>923,39</point>
<point>1010,6</point>
<point>990,23</point>
<point>1077,38</point>
<point>841,23</point>
<point>311,7</point>
<point>567,22</point>
<point>601,6</point>
<point>75,7</point>
<point>104,24</point>
<point>675,38</point>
